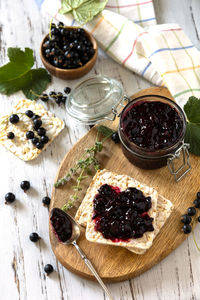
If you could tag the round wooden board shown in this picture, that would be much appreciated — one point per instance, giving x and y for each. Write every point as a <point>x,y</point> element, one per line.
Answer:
<point>115,263</point>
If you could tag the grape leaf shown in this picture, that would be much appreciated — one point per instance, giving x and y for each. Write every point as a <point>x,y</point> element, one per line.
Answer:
<point>20,63</point>
<point>88,10</point>
<point>192,137</point>
<point>192,109</point>
<point>38,81</point>
<point>68,5</point>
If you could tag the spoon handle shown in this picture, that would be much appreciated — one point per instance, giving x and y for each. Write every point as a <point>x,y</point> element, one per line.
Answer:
<point>92,269</point>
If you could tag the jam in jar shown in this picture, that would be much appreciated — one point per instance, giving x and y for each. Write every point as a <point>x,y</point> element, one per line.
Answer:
<point>151,129</point>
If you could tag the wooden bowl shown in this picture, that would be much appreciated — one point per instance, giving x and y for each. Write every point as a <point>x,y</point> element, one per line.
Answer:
<point>70,73</point>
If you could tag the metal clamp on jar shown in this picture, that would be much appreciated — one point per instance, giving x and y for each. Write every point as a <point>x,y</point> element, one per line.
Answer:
<point>102,98</point>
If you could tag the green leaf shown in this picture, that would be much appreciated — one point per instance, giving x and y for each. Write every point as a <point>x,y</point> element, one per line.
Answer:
<point>12,86</point>
<point>104,130</point>
<point>192,137</point>
<point>88,10</point>
<point>38,81</point>
<point>20,63</point>
<point>192,109</point>
<point>68,5</point>
<point>17,74</point>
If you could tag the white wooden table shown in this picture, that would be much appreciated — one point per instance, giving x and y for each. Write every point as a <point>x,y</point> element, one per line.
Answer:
<point>21,261</point>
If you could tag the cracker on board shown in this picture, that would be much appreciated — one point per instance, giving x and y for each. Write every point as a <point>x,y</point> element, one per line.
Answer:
<point>85,211</point>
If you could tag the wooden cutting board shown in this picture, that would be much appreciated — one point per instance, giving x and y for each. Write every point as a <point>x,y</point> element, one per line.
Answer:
<point>115,263</point>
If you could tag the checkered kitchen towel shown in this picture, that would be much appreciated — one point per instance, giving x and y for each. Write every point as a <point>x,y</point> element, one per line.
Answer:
<point>126,30</point>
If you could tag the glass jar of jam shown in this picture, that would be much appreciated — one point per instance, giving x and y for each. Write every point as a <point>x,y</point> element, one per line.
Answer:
<point>151,130</point>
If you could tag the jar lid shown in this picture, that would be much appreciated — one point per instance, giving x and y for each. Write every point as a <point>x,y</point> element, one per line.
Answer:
<point>94,99</point>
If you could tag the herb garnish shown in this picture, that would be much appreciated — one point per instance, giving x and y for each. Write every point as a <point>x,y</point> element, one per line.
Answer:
<point>83,11</point>
<point>192,136</point>
<point>17,74</point>
<point>82,168</point>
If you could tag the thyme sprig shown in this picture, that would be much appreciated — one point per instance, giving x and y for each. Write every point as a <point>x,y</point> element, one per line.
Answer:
<point>82,168</point>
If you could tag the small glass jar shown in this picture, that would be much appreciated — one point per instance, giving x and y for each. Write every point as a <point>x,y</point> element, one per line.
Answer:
<point>101,98</point>
<point>145,158</point>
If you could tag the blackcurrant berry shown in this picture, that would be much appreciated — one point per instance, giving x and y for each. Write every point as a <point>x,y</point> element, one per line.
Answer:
<point>34,237</point>
<point>35,117</point>
<point>115,137</point>
<point>46,200</point>
<point>29,113</point>
<point>30,135</point>
<point>44,139</point>
<point>186,219</point>
<point>67,90</point>
<point>60,24</point>
<point>39,145</point>
<point>191,211</point>
<point>35,140</point>
<point>37,123</point>
<point>44,97</point>
<point>186,228</point>
<point>48,269</point>
<point>14,119</point>
<point>197,203</point>
<point>25,185</point>
<point>9,197</point>
<point>10,135</point>
<point>41,131</point>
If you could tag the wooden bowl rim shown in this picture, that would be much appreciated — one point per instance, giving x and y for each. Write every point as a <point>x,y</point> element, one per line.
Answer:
<point>69,71</point>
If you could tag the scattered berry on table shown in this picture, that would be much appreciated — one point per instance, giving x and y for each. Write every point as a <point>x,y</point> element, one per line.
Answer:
<point>30,135</point>
<point>39,145</point>
<point>198,195</point>
<point>197,203</point>
<point>29,113</point>
<point>186,219</point>
<point>186,228</point>
<point>10,135</point>
<point>41,131</point>
<point>44,139</point>
<point>25,185</point>
<point>67,90</point>
<point>198,219</point>
<point>34,237</point>
<point>48,269</point>
<point>37,123</point>
<point>191,211</point>
<point>46,200</point>
<point>14,119</point>
<point>9,197</point>
<point>115,137</point>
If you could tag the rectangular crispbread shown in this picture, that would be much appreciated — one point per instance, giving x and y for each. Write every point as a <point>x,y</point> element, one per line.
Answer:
<point>20,145</point>
<point>85,211</point>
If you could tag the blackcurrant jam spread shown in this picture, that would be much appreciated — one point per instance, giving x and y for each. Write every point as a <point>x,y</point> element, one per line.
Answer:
<point>152,125</point>
<point>120,216</point>
<point>61,224</point>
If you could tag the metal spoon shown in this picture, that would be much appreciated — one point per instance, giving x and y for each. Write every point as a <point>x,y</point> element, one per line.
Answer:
<point>72,241</point>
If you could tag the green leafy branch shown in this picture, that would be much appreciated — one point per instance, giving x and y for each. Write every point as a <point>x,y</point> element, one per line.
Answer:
<point>82,168</point>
